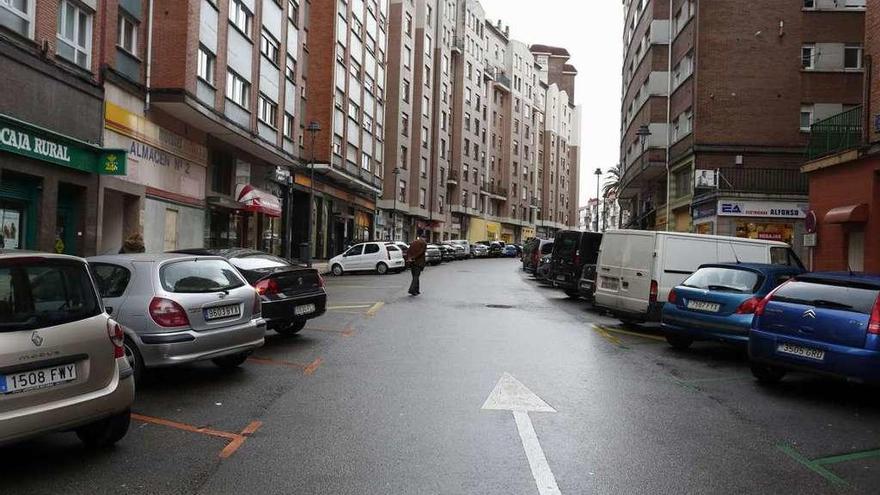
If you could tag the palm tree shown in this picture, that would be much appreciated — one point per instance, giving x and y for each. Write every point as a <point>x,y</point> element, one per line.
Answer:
<point>612,187</point>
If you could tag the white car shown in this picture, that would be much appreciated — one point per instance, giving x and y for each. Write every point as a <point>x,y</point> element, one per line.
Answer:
<point>376,257</point>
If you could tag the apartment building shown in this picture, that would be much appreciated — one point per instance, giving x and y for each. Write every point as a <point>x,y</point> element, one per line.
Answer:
<point>843,168</point>
<point>421,39</point>
<point>742,133</point>
<point>51,117</point>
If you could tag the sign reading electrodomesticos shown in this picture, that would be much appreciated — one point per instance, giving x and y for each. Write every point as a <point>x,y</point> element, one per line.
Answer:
<point>764,209</point>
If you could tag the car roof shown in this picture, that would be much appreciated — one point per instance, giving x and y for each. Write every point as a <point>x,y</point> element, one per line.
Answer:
<point>758,267</point>
<point>225,253</point>
<point>18,253</point>
<point>144,257</point>
<point>863,278</point>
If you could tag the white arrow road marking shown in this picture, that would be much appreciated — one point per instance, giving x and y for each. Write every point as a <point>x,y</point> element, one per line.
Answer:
<point>511,395</point>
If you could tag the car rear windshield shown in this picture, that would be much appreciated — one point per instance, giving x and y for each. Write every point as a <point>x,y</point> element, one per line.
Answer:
<point>565,245</point>
<point>45,293</point>
<point>199,276</point>
<point>827,294</point>
<point>258,262</point>
<point>724,280</point>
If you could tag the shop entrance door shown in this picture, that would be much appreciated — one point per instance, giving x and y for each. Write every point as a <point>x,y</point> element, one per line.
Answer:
<point>67,221</point>
<point>856,248</point>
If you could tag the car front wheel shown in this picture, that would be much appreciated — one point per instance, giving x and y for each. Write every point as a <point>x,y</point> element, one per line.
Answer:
<point>337,270</point>
<point>231,361</point>
<point>292,329</point>
<point>105,432</point>
<point>767,375</point>
<point>679,342</point>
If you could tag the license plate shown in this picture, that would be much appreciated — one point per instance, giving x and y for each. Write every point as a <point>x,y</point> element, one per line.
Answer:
<point>560,278</point>
<point>219,312</point>
<point>34,379</point>
<point>305,309</point>
<point>796,350</point>
<point>708,307</point>
<point>610,283</point>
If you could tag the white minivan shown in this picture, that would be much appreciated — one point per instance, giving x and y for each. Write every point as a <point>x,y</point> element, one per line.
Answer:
<point>637,268</point>
<point>380,257</point>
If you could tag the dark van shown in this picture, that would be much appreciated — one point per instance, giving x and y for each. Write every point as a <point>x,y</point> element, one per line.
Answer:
<point>533,250</point>
<point>572,251</point>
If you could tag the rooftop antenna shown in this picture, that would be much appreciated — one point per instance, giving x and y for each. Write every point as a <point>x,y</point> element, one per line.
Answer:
<point>735,256</point>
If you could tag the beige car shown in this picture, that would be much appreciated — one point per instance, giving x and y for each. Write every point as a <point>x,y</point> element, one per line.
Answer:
<point>62,361</point>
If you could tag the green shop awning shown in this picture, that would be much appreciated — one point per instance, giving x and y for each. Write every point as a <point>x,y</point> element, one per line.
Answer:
<point>35,142</point>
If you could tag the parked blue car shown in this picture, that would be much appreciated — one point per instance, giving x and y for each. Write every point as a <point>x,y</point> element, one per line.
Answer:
<point>827,323</point>
<point>509,251</point>
<point>718,301</point>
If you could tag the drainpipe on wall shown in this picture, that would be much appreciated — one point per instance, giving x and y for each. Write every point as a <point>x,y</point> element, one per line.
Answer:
<point>669,119</point>
<point>149,67</point>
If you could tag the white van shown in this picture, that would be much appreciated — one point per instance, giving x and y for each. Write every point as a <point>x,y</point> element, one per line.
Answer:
<point>637,268</point>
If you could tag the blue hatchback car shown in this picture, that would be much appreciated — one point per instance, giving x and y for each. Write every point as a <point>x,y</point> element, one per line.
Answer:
<point>827,323</point>
<point>718,301</point>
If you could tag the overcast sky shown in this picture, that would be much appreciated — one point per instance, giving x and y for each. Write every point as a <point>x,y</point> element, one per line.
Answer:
<point>591,30</point>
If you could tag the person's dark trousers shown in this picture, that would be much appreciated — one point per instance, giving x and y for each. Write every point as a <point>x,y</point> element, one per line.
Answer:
<point>416,272</point>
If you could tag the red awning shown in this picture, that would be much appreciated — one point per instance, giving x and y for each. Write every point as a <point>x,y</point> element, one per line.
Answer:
<point>848,214</point>
<point>258,200</point>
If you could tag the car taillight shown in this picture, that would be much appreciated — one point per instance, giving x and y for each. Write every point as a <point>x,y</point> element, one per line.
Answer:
<point>749,306</point>
<point>267,286</point>
<point>167,313</point>
<point>673,297</point>
<point>653,293</point>
<point>117,337</point>
<point>874,322</point>
<point>258,304</point>
<point>762,305</point>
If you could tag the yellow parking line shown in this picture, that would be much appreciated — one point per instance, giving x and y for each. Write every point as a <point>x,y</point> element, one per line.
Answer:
<point>605,335</point>
<point>634,334</point>
<point>358,306</point>
<point>375,309</point>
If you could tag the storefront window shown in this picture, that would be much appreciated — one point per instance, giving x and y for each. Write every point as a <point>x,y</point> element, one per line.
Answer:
<point>11,220</point>
<point>783,232</point>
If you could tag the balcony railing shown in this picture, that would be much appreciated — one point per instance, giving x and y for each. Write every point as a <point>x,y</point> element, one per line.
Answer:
<point>763,180</point>
<point>838,133</point>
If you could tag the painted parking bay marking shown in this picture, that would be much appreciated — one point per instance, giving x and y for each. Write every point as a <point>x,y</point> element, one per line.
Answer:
<point>818,466</point>
<point>511,395</point>
<point>236,440</point>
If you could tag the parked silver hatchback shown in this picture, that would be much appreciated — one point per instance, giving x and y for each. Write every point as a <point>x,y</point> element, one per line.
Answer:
<point>62,364</point>
<point>178,308</point>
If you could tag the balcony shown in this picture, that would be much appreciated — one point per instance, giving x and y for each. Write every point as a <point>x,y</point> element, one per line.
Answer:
<point>763,181</point>
<point>489,71</point>
<point>835,134</point>
<point>452,177</point>
<point>458,44</point>
<point>502,80</point>
<point>533,202</point>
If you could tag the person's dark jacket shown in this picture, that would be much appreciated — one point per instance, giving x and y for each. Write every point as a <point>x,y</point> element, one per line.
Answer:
<point>416,252</point>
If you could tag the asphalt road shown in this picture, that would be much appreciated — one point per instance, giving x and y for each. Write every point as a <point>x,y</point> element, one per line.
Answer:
<point>386,394</point>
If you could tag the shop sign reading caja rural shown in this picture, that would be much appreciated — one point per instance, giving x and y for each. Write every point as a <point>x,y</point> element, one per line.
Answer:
<point>762,209</point>
<point>22,138</point>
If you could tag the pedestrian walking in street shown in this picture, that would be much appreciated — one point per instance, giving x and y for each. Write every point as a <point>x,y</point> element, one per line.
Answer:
<point>416,256</point>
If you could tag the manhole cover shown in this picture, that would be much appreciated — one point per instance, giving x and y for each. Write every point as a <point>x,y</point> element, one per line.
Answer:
<point>499,306</point>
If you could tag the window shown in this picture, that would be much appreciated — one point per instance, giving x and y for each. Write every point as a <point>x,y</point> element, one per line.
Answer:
<point>112,280</point>
<point>852,57</point>
<point>290,69</point>
<point>808,57</point>
<point>424,137</point>
<point>401,191</point>
<point>422,197</point>
<point>18,16</point>
<point>199,277</point>
<point>406,91</point>
<point>268,111</point>
<point>809,4</point>
<point>855,4</point>
<point>293,12</point>
<point>423,168</point>
<point>238,90</point>
<point>404,157</point>
<point>408,25</point>
<point>240,16</point>
<point>127,36</point>
<point>806,117</point>
<point>407,57</point>
<point>269,47</point>
<point>288,125</point>
<point>74,34</point>
<point>404,124</point>
<point>206,64</point>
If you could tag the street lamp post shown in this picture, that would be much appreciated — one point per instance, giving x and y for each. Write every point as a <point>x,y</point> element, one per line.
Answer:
<point>598,173</point>
<point>396,173</point>
<point>313,129</point>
